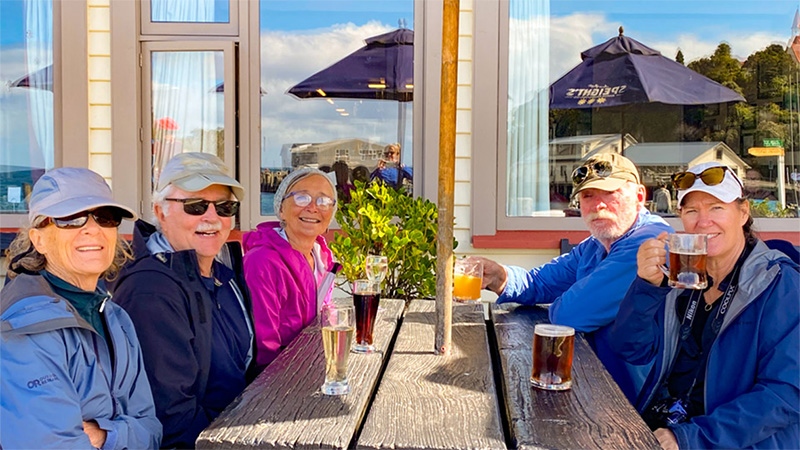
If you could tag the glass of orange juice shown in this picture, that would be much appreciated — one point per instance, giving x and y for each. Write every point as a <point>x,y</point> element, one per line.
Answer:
<point>467,279</point>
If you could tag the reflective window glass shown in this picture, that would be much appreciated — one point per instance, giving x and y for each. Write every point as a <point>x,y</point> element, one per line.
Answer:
<point>26,98</point>
<point>197,11</point>
<point>669,84</point>
<point>188,109</point>
<point>336,91</point>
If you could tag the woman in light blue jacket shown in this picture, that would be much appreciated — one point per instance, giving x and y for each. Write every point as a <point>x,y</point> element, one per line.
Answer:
<point>71,372</point>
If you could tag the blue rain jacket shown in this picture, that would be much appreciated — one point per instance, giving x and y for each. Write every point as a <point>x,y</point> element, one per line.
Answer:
<point>752,380</point>
<point>585,288</point>
<point>56,371</point>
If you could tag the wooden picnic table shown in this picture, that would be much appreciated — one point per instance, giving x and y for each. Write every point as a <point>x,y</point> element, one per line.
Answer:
<point>406,397</point>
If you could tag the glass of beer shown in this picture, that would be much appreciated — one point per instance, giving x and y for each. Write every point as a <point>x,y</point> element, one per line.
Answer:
<point>687,261</point>
<point>467,279</point>
<point>366,297</point>
<point>337,335</point>
<point>552,356</point>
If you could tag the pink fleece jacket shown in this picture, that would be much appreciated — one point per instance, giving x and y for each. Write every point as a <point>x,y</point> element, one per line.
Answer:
<point>282,286</point>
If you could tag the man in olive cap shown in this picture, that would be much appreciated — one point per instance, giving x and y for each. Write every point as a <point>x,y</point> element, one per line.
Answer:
<point>192,312</point>
<point>585,286</point>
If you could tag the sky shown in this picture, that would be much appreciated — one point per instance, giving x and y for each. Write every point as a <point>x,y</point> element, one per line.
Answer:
<point>301,37</point>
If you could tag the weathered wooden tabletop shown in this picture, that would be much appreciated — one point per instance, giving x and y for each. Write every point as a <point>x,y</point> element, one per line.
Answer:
<point>426,401</point>
<point>594,414</point>
<point>284,408</point>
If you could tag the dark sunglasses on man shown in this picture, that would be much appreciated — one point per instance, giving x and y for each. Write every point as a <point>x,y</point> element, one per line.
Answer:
<point>199,206</point>
<point>106,217</point>
<point>711,177</point>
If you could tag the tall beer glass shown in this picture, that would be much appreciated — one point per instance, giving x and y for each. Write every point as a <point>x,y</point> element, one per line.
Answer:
<point>366,297</point>
<point>553,346</point>
<point>337,335</point>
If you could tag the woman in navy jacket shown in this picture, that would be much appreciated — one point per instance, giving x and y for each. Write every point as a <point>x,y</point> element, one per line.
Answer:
<point>726,372</point>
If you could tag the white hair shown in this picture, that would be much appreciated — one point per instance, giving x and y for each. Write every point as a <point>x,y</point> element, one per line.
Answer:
<point>160,198</point>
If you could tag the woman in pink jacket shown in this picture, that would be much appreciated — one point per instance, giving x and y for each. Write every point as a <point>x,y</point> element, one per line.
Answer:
<point>287,263</point>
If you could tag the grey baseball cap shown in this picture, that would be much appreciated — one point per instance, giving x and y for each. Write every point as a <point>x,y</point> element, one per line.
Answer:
<point>69,190</point>
<point>193,171</point>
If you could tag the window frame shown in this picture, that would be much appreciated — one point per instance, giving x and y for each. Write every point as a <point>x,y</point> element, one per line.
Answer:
<point>230,28</point>
<point>70,95</point>
<point>427,53</point>
<point>491,227</point>
<point>229,52</point>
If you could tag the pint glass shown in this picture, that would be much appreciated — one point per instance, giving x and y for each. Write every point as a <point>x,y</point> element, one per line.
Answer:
<point>366,298</point>
<point>337,335</point>
<point>687,261</point>
<point>552,356</point>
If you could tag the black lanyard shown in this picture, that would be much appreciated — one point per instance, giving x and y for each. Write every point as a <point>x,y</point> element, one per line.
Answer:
<point>716,324</point>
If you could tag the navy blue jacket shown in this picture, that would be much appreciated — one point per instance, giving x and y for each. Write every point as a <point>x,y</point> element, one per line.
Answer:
<point>752,380</point>
<point>172,311</point>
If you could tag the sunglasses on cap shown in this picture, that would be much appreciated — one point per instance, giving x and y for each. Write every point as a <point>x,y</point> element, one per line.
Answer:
<point>199,206</point>
<point>106,217</point>
<point>711,177</point>
<point>601,169</point>
<point>303,199</point>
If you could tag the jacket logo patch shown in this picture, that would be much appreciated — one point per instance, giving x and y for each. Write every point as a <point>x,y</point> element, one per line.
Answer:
<point>41,381</point>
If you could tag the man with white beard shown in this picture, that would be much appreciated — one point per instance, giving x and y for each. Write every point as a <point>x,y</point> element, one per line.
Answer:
<point>192,312</point>
<point>585,286</point>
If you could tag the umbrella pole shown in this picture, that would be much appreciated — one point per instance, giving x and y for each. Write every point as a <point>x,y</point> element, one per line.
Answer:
<point>447,168</point>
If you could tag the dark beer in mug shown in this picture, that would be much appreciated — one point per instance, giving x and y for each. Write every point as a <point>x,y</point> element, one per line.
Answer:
<point>687,270</point>
<point>553,346</point>
<point>366,305</point>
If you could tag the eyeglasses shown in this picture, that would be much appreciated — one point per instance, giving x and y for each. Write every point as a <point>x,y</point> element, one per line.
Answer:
<point>106,217</point>
<point>199,206</point>
<point>711,177</point>
<point>303,199</point>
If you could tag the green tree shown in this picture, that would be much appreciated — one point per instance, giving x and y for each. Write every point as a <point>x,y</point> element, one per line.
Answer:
<point>679,58</point>
<point>720,67</point>
<point>765,74</point>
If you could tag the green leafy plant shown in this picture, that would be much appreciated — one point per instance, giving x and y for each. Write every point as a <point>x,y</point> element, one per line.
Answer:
<point>381,220</point>
<point>761,208</point>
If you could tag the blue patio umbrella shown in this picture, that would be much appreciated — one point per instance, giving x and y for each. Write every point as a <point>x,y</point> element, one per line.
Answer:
<point>623,71</point>
<point>383,69</point>
<point>38,79</point>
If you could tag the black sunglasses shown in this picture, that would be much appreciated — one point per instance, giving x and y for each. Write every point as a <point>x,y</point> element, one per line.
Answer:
<point>106,217</point>
<point>711,177</point>
<point>199,206</point>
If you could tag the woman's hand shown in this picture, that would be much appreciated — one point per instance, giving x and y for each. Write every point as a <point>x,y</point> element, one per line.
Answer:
<point>97,435</point>
<point>666,438</point>
<point>650,257</point>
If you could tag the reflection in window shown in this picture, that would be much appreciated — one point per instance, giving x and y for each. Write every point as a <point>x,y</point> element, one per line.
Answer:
<point>187,105</point>
<point>195,11</point>
<point>26,98</point>
<point>751,104</point>
<point>339,86</point>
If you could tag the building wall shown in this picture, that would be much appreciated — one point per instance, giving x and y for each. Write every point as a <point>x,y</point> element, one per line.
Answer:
<point>99,43</point>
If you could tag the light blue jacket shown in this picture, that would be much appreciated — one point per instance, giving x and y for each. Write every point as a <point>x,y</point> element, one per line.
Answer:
<point>56,372</point>
<point>752,378</point>
<point>585,288</point>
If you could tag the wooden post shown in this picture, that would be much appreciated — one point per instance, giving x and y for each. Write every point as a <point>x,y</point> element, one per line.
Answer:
<point>447,168</point>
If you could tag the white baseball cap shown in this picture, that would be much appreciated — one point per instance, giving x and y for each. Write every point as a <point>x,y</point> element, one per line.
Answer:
<point>726,191</point>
